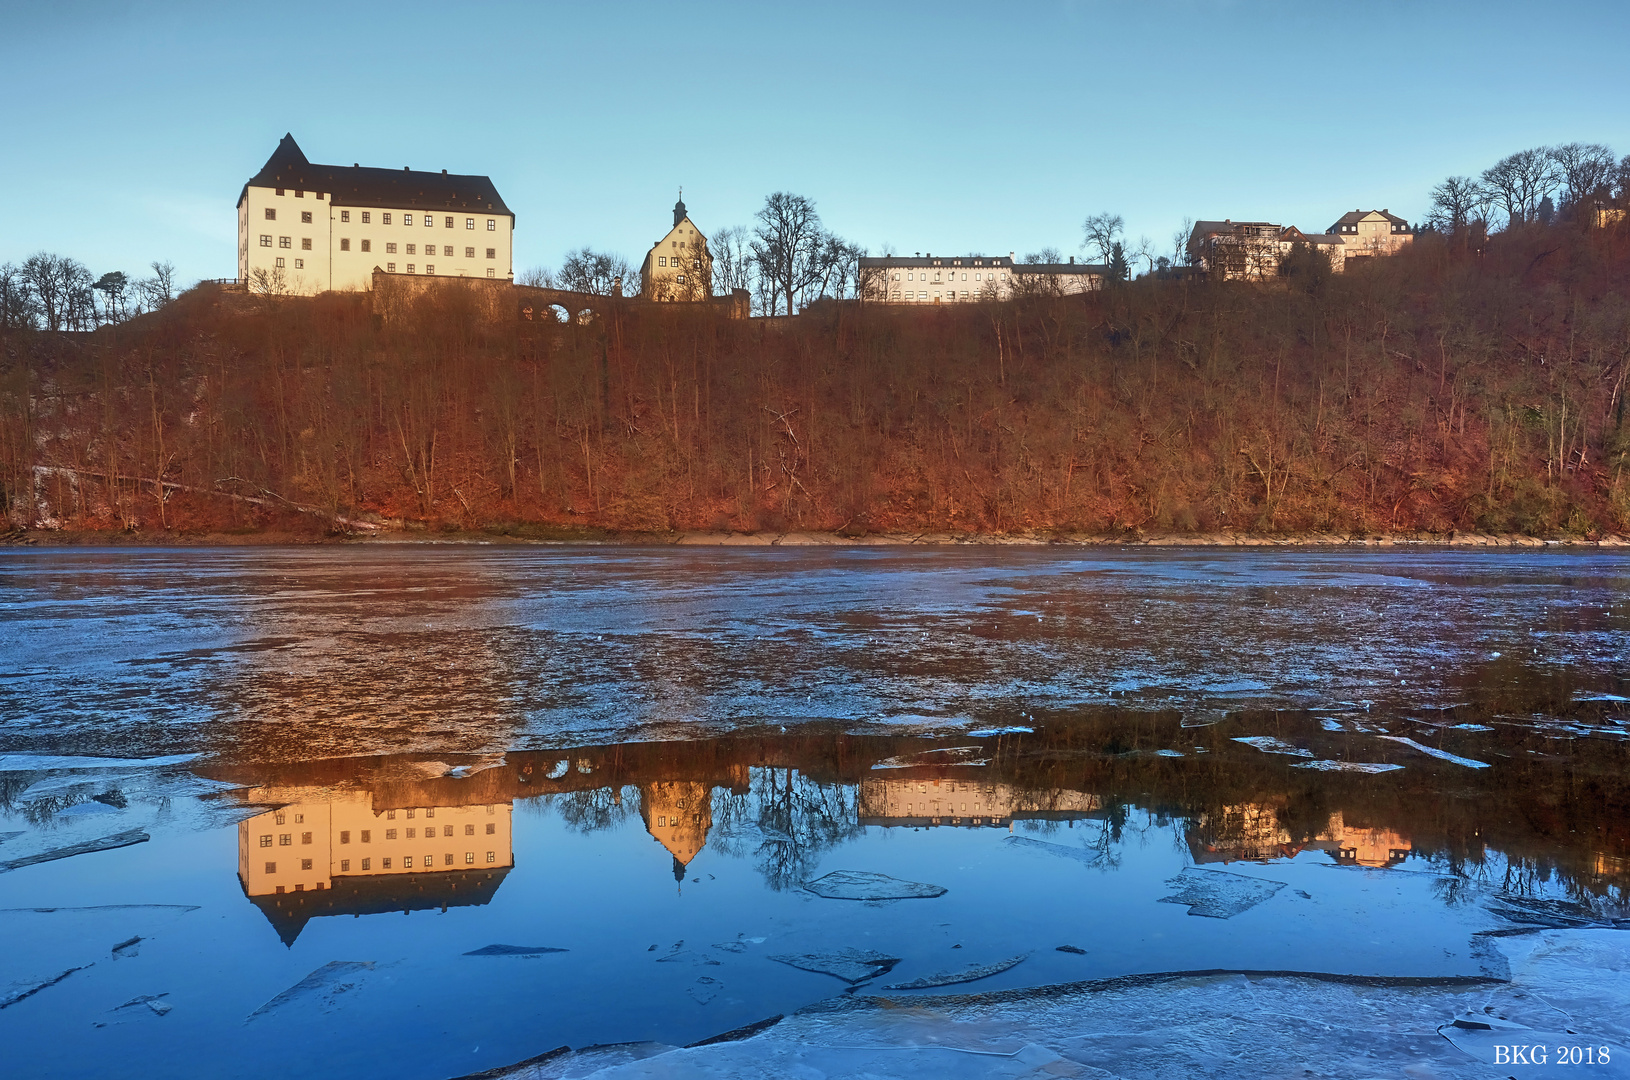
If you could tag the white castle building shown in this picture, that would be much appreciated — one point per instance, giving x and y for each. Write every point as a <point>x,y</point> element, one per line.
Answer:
<point>930,279</point>
<point>305,229</point>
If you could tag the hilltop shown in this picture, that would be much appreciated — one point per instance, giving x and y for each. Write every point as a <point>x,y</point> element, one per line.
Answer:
<point>1458,386</point>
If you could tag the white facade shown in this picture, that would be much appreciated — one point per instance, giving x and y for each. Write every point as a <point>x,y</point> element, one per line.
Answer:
<point>966,278</point>
<point>305,229</point>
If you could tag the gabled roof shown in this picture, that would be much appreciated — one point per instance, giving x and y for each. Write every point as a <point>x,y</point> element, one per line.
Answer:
<point>404,189</point>
<point>1353,217</point>
<point>1091,269</point>
<point>376,894</point>
<point>941,261</point>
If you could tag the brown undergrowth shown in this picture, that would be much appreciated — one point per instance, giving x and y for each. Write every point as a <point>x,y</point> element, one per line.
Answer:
<point>1449,387</point>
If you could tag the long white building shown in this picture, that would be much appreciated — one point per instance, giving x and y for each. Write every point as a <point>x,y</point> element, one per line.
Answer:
<point>931,279</point>
<point>305,228</point>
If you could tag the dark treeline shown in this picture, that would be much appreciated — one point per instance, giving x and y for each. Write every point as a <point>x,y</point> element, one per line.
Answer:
<point>1469,383</point>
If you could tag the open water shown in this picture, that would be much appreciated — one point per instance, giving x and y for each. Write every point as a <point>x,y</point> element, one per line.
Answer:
<point>422,811</point>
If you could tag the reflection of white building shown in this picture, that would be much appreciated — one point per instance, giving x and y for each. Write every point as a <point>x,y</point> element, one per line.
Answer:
<point>940,801</point>
<point>342,856</point>
<point>1252,832</point>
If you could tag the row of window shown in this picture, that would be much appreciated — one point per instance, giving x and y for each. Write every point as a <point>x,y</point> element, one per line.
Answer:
<point>385,219</point>
<point>976,277</point>
<point>429,268</point>
<point>950,294</point>
<point>365,836</point>
<point>426,862</point>
<point>662,260</point>
<point>285,241</point>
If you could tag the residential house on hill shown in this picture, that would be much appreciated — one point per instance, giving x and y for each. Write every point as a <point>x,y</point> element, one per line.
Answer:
<point>1372,232</point>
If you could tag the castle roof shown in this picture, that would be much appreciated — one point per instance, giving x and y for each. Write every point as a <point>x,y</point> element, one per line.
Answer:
<point>396,189</point>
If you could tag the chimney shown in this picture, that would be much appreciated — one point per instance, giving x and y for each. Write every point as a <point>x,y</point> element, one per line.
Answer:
<point>1072,260</point>
<point>444,172</point>
<point>617,286</point>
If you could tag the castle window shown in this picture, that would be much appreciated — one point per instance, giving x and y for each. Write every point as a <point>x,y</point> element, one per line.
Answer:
<point>345,866</point>
<point>345,243</point>
<point>490,272</point>
<point>469,253</point>
<point>385,863</point>
<point>447,859</point>
<point>280,191</point>
<point>469,857</point>
<point>367,245</point>
<point>305,864</point>
<point>390,268</point>
<point>265,240</point>
<point>271,213</point>
<point>390,249</point>
<point>407,862</point>
<point>345,215</point>
<point>429,269</point>
<point>299,194</point>
<point>305,243</point>
<point>366,864</point>
<point>266,840</point>
<point>447,250</point>
<point>299,264</point>
<point>280,262</point>
<point>429,221</point>
<point>271,868</point>
<point>447,830</point>
<point>409,249</point>
<point>490,857</point>
<point>305,838</point>
<point>367,836</point>
<point>449,222</point>
<point>284,241</point>
<point>681,279</point>
<point>410,833</point>
<point>385,219</point>
<point>469,830</point>
<point>305,217</point>
<point>345,838</point>
<point>285,839</point>
<point>366,217</point>
<point>469,223</point>
<point>491,225</point>
<point>662,260</point>
<point>491,828</point>
<point>407,219</point>
<point>410,268</point>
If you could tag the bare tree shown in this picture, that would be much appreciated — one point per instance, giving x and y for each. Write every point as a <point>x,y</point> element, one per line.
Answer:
<point>732,259</point>
<point>1099,233</point>
<point>1456,203</point>
<point>46,277</point>
<point>18,310</point>
<point>1586,168</point>
<point>1521,181</point>
<point>271,283</point>
<point>1145,250</point>
<point>1180,242</point>
<point>788,246</point>
<point>597,272</point>
<point>537,277</point>
<point>159,290</point>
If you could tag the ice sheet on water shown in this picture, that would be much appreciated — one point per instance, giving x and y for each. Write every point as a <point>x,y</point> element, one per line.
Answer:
<point>87,847</point>
<point>1331,725</point>
<point>704,989</point>
<point>1062,851</point>
<point>1270,745</point>
<point>966,975</point>
<point>12,835</point>
<point>325,984</point>
<point>1442,755</point>
<point>12,993</point>
<point>946,755</point>
<point>153,1003</point>
<point>985,733</point>
<point>514,950</point>
<point>851,965</point>
<point>55,762</point>
<point>1217,894</point>
<point>866,885</point>
<point>1347,766</point>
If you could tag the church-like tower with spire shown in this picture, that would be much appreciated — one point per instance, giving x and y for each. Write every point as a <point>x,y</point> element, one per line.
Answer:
<point>678,267</point>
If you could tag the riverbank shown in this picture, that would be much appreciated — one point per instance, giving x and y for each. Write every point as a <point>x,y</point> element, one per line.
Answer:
<point>170,538</point>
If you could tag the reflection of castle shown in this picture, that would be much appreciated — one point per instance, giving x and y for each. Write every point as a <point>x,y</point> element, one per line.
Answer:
<point>341,856</point>
<point>678,814</point>
<point>939,801</point>
<point>1253,832</point>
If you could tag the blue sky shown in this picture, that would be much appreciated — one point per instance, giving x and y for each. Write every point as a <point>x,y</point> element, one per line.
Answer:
<point>946,127</point>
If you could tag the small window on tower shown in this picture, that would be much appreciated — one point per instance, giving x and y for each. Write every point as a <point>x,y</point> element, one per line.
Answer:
<point>305,243</point>
<point>469,223</point>
<point>384,219</point>
<point>367,245</point>
<point>271,213</point>
<point>492,253</point>
<point>407,219</point>
<point>492,225</point>
<point>469,253</point>
<point>366,217</point>
<point>345,215</point>
<point>345,243</point>
<point>305,217</point>
<point>662,260</point>
<point>449,222</point>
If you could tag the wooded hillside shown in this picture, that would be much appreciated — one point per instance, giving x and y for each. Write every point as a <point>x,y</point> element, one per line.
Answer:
<point>1466,384</point>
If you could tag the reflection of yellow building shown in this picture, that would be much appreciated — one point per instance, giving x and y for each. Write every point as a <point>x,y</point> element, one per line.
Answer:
<point>1252,832</point>
<point>678,814</point>
<point>928,801</point>
<point>342,856</point>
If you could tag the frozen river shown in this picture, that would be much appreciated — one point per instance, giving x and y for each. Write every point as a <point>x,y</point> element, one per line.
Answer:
<point>424,811</point>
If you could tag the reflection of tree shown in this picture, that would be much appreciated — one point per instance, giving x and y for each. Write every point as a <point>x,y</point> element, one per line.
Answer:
<point>597,808</point>
<point>792,818</point>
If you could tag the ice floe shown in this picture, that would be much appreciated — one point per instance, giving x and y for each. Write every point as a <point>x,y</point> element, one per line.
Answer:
<point>966,975</point>
<point>60,762</point>
<point>1217,894</point>
<point>1347,766</point>
<point>86,847</point>
<point>1270,745</point>
<point>514,950</point>
<point>851,965</point>
<point>1442,755</point>
<point>326,983</point>
<point>866,885</point>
